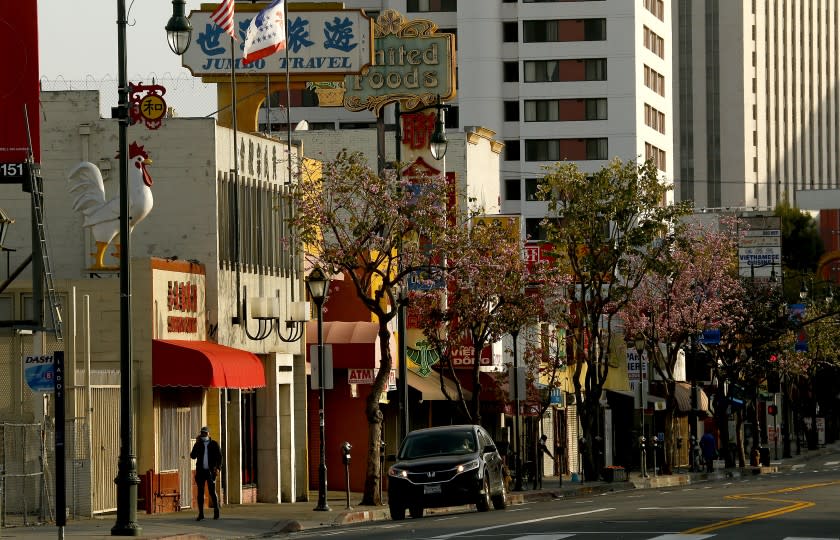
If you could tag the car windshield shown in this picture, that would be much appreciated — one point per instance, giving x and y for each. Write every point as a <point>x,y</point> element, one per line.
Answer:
<point>438,444</point>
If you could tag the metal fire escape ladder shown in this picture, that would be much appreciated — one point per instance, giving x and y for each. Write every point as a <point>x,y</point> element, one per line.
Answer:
<point>36,185</point>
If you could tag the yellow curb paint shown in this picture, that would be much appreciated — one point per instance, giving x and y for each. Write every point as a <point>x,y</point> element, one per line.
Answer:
<point>790,506</point>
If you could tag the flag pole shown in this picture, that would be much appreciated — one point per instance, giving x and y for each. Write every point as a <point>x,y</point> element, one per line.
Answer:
<point>288,90</point>
<point>239,313</point>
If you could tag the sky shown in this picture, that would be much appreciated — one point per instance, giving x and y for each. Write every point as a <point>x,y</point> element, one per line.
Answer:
<point>78,41</point>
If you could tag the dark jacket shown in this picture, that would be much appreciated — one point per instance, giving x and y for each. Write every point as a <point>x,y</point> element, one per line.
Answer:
<point>214,457</point>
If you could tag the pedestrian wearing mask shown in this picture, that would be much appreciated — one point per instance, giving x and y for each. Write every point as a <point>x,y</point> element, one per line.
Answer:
<point>208,461</point>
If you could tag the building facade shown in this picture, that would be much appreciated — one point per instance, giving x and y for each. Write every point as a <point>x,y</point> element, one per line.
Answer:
<point>756,99</point>
<point>224,235</point>
<point>584,81</point>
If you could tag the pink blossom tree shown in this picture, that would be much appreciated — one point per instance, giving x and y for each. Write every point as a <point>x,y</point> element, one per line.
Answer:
<point>691,287</point>
<point>378,232</point>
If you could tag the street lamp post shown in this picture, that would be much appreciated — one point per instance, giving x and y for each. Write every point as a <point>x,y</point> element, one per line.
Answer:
<point>437,146</point>
<point>127,479</point>
<point>318,285</point>
<point>517,463</point>
<point>640,351</point>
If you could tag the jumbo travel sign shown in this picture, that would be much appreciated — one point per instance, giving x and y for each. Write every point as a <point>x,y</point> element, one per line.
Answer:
<point>321,43</point>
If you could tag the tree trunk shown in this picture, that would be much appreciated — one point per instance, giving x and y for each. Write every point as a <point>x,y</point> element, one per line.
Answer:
<point>739,437</point>
<point>373,475</point>
<point>588,412</point>
<point>670,451</point>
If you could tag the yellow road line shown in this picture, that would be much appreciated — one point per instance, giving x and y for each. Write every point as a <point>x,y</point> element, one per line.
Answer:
<point>790,506</point>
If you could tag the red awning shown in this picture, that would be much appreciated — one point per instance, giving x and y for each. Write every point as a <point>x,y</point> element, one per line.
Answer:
<point>204,364</point>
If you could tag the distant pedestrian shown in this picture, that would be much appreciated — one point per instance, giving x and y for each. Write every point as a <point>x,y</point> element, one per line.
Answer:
<point>208,461</point>
<point>542,449</point>
<point>709,447</point>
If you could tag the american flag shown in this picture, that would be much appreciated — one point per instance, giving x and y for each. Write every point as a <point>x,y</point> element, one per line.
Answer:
<point>223,17</point>
<point>266,34</point>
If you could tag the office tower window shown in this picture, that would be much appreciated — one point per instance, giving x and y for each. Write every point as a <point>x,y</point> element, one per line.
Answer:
<point>510,71</point>
<point>511,111</point>
<point>566,149</point>
<point>564,30</point>
<point>510,32</point>
<point>565,110</point>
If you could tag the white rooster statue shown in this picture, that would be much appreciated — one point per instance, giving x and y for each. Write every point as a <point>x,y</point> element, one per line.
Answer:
<point>103,217</point>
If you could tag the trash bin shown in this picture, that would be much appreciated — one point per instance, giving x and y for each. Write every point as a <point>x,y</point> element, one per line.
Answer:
<point>764,456</point>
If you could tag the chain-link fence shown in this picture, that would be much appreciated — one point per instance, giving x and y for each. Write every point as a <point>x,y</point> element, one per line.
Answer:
<point>27,473</point>
<point>185,96</point>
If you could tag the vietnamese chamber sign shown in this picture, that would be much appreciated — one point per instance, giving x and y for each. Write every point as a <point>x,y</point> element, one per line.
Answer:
<point>335,43</point>
<point>412,65</point>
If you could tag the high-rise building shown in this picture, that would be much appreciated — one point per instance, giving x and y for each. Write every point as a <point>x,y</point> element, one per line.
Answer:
<point>757,101</point>
<point>584,81</point>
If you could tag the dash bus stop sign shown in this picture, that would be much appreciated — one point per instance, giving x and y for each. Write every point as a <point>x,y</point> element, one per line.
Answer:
<point>39,373</point>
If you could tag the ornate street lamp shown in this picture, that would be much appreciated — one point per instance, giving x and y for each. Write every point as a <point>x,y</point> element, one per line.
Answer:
<point>317,283</point>
<point>178,29</point>
<point>127,479</point>
<point>639,344</point>
<point>438,142</point>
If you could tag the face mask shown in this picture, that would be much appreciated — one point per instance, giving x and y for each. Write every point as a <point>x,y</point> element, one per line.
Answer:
<point>205,438</point>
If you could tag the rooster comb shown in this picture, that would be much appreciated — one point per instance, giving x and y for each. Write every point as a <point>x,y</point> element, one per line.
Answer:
<point>135,150</point>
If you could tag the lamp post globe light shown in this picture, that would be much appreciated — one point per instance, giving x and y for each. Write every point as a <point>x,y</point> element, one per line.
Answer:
<point>127,479</point>
<point>178,29</point>
<point>317,283</point>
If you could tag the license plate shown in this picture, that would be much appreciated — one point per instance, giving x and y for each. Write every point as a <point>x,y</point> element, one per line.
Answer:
<point>431,488</point>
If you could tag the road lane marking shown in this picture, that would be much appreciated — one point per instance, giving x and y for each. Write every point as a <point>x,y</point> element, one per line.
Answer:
<point>831,463</point>
<point>516,523</point>
<point>681,537</point>
<point>543,537</point>
<point>790,506</point>
<point>692,507</point>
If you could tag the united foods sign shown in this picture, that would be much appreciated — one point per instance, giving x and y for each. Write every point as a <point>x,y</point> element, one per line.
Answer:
<point>336,42</point>
<point>412,65</point>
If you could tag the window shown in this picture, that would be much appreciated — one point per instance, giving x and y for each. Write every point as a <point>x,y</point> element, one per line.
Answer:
<point>510,32</point>
<point>565,149</point>
<point>564,30</point>
<point>512,152</point>
<point>654,81</point>
<point>248,414</point>
<point>511,111</point>
<point>592,69</point>
<point>511,71</point>
<point>534,230</point>
<point>654,43</point>
<point>532,188</point>
<point>654,119</point>
<point>565,110</point>
<point>512,192</point>
<point>656,155</point>
<point>657,7</point>
<point>424,6</point>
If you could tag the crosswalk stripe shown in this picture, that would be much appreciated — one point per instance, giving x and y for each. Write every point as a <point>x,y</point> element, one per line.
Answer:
<point>807,538</point>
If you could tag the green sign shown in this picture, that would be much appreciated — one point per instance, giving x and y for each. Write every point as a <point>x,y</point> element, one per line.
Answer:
<point>412,65</point>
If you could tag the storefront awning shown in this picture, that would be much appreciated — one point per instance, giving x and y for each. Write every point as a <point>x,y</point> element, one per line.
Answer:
<point>682,394</point>
<point>355,344</point>
<point>429,387</point>
<point>204,364</point>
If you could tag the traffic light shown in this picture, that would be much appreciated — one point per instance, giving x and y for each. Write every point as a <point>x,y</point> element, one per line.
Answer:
<point>772,409</point>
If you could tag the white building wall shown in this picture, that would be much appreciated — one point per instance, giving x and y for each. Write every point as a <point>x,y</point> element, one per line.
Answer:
<point>188,155</point>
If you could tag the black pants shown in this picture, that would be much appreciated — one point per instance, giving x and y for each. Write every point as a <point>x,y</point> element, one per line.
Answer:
<point>203,476</point>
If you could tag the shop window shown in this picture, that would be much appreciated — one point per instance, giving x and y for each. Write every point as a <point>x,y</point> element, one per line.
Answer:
<point>248,440</point>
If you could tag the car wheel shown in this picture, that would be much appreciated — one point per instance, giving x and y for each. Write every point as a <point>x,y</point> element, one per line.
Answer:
<point>397,512</point>
<point>416,512</point>
<point>483,503</point>
<point>500,499</point>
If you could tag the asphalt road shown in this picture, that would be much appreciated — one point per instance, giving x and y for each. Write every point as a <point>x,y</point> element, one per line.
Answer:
<point>798,504</point>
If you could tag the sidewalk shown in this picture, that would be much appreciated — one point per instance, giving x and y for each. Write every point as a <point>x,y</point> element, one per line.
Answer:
<point>261,520</point>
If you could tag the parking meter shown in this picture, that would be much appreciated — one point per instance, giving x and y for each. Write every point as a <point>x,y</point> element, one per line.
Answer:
<point>642,456</point>
<point>345,457</point>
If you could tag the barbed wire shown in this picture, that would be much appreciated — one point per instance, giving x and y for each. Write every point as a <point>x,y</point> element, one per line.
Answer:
<point>187,96</point>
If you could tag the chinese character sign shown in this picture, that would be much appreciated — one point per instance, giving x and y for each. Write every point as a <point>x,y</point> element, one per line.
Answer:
<point>336,42</point>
